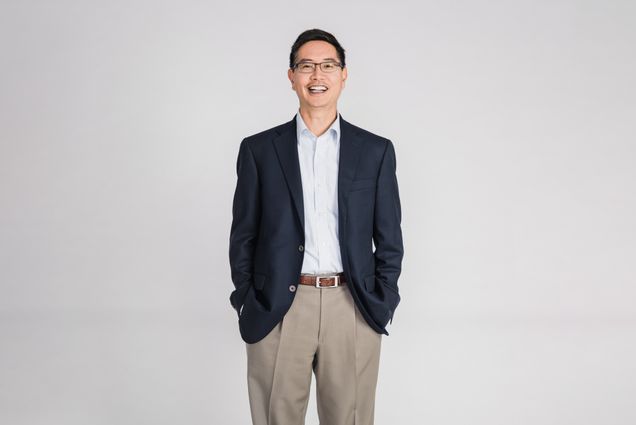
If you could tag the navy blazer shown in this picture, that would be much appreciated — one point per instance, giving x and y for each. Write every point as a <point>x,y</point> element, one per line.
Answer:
<point>267,235</point>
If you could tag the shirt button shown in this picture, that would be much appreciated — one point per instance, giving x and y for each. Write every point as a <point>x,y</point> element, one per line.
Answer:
<point>292,288</point>
<point>300,248</point>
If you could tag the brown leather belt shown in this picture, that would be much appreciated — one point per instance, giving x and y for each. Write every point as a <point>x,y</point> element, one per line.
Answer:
<point>323,280</point>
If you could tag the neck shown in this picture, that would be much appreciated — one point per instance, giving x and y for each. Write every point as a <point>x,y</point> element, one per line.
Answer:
<point>318,120</point>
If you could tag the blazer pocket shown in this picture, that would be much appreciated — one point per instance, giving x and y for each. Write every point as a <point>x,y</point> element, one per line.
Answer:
<point>390,288</point>
<point>259,280</point>
<point>361,184</point>
<point>237,297</point>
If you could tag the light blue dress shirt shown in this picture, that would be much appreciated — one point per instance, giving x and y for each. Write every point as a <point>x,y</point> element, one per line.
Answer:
<point>319,158</point>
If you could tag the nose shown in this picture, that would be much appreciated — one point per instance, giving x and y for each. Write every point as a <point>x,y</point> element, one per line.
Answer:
<point>316,71</point>
<point>314,75</point>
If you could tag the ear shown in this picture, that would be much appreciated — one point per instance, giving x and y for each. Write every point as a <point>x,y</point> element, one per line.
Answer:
<point>290,75</point>
<point>344,75</point>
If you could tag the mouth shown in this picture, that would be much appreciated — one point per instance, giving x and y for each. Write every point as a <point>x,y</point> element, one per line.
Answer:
<point>317,89</point>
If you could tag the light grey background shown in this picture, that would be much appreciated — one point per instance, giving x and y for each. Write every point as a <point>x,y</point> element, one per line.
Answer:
<point>514,127</point>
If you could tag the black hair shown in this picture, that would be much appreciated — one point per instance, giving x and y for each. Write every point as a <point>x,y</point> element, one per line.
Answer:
<point>316,34</point>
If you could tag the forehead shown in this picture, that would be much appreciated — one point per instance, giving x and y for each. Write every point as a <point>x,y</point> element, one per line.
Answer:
<point>317,50</point>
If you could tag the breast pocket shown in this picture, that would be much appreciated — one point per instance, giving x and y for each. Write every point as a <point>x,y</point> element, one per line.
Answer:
<point>362,184</point>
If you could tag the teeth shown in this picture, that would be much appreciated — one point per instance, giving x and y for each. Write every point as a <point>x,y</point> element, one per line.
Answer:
<point>317,88</point>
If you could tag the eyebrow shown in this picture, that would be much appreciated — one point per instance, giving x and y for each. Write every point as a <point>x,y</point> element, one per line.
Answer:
<point>325,59</point>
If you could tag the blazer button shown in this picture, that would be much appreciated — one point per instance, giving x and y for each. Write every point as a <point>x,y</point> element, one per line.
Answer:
<point>292,288</point>
<point>300,248</point>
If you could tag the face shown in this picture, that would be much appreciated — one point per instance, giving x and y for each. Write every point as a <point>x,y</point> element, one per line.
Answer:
<point>317,51</point>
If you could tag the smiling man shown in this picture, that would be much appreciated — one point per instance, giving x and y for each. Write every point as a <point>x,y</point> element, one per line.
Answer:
<point>312,197</point>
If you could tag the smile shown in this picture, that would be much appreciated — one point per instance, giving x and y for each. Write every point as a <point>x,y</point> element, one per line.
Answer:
<point>317,89</point>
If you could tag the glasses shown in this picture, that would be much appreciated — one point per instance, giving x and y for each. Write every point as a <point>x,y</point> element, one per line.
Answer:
<point>309,67</point>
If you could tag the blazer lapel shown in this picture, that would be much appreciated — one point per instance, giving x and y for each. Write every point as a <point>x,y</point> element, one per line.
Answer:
<point>286,147</point>
<point>350,150</point>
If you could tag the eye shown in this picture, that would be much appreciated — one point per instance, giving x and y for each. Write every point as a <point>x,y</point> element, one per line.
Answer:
<point>328,66</point>
<point>305,66</point>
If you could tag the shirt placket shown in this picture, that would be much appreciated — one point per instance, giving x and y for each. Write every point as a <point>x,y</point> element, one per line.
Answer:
<point>320,189</point>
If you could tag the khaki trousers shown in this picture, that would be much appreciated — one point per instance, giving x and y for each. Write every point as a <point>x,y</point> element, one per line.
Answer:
<point>323,332</point>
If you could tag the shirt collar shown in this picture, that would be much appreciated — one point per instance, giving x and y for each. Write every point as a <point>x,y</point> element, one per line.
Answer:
<point>301,127</point>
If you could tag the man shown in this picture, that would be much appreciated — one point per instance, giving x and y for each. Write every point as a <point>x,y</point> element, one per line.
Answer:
<point>311,294</point>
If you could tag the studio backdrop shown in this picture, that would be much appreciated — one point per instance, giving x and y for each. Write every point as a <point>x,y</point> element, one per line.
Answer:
<point>514,129</point>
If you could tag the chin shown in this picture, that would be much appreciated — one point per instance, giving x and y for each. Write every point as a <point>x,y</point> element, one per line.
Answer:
<point>317,102</point>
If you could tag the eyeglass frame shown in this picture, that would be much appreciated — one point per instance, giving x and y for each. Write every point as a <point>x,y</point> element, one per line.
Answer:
<point>316,64</point>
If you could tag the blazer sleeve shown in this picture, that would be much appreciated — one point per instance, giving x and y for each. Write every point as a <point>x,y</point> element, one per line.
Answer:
<point>387,233</point>
<point>246,211</point>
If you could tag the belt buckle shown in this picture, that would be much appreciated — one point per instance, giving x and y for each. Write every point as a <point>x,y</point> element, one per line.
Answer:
<point>337,281</point>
